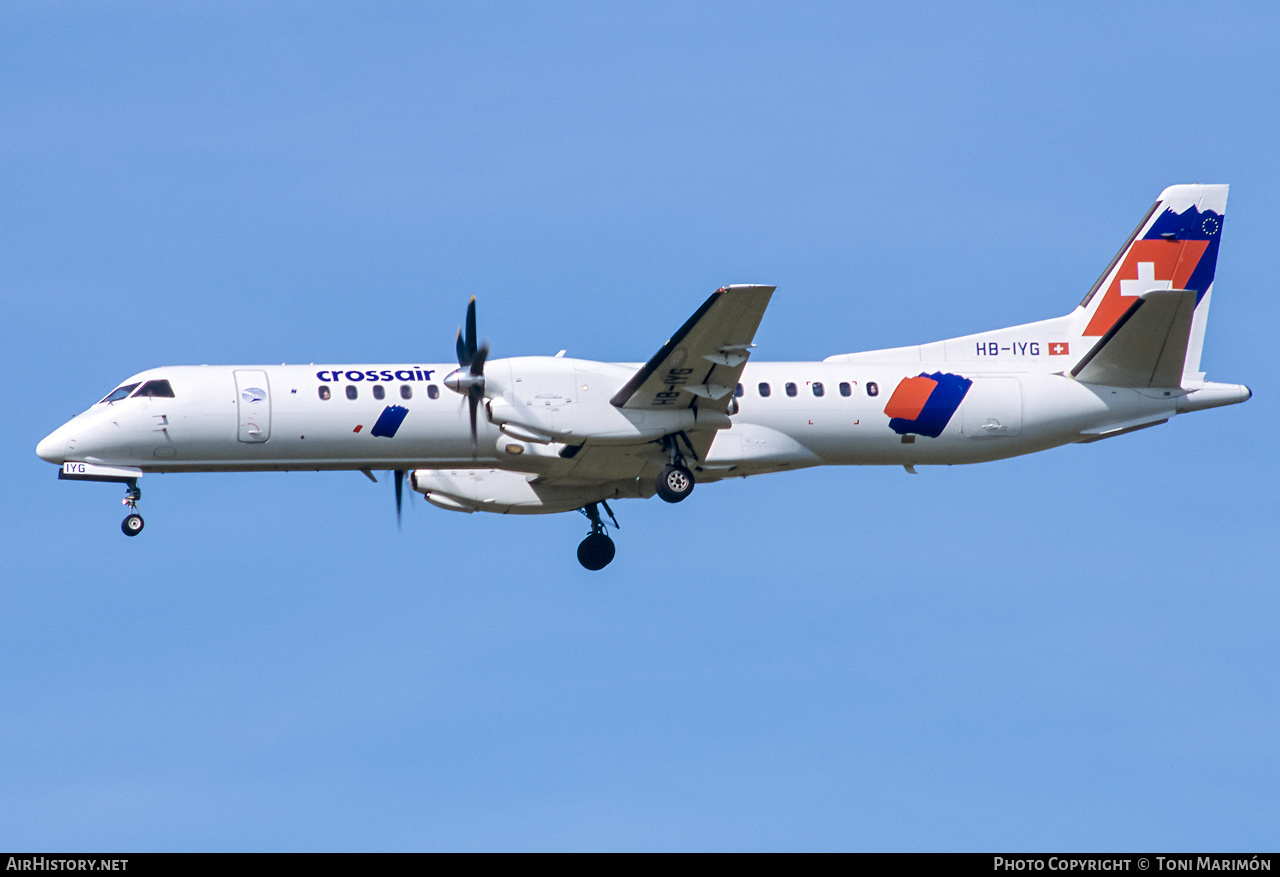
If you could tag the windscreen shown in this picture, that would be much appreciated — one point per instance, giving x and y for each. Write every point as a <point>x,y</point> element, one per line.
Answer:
<point>156,388</point>
<point>120,393</point>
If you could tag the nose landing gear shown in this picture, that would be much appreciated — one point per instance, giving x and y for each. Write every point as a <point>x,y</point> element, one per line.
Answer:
<point>597,550</point>
<point>132,524</point>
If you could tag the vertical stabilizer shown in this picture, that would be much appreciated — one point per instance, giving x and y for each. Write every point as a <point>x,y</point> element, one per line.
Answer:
<point>1175,247</point>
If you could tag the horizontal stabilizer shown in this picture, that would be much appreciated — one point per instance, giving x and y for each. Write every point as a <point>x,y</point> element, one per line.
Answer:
<point>1147,345</point>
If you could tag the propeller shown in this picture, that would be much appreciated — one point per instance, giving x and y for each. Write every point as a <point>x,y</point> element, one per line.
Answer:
<point>468,378</point>
<point>399,481</point>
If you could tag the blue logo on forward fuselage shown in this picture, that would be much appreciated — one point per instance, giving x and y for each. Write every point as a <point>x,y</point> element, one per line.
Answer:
<point>389,421</point>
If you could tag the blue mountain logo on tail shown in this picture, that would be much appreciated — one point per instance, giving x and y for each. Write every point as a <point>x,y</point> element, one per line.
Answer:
<point>924,404</point>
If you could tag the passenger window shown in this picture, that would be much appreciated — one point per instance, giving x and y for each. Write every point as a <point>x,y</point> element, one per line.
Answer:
<point>872,389</point>
<point>352,392</point>
<point>845,389</point>
<point>433,391</point>
<point>156,389</point>
<point>379,392</point>
<point>324,393</point>
<point>120,393</point>
<point>791,389</point>
<point>406,391</point>
<point>738,391</point>
<point>818,389</point>
<point>764,390</point>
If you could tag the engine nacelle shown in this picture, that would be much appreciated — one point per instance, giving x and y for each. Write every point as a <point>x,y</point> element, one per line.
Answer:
<point>514,493</point>
<point>601,424</point>
<point>551,399</point>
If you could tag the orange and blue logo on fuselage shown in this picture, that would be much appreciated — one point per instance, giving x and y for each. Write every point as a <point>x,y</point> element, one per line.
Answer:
<point>924,404</point>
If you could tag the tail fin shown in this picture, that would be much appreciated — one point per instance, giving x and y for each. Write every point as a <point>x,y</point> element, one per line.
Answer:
<point>1175,247</point>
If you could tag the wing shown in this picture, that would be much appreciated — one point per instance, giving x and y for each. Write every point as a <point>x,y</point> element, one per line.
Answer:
<point>701,364</point>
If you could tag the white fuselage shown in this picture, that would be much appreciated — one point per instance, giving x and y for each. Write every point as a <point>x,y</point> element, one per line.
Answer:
<point>539,434</point>
<point>213,424</point>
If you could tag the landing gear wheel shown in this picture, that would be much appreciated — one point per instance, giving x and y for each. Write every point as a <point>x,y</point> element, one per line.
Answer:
<point>596,551</point>
<point>675,483</point>
<point>132,525</point>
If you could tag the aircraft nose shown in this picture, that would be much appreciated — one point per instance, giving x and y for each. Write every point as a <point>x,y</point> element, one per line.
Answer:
<point>53,447</point>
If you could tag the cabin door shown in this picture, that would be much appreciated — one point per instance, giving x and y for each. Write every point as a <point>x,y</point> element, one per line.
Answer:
<point>253,399</point>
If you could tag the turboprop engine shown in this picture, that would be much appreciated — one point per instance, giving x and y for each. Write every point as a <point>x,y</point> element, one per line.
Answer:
<point>515,493</point>
<point>544,399</point>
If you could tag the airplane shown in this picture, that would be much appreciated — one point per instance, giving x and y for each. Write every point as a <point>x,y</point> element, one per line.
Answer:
<point>549,434</point>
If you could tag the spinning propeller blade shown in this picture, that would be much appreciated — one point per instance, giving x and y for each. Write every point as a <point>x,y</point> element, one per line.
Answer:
<point>468,380</point>
<point>471,329</point>
<point>475,395</point>
<point>399,479</point>
<point>478,358</point>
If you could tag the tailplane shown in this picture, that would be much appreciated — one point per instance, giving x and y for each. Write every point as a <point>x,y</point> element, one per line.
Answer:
<point>1146,346</point>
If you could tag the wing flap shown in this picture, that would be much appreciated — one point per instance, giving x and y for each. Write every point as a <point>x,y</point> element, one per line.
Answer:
<point>701,363</point>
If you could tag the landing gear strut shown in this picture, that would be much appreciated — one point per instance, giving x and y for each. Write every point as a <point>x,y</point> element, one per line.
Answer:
<point>132,524</point>
<point>676,481</point>
<point>597,549</point>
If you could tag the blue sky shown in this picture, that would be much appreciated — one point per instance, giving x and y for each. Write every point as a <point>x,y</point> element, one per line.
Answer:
<point>1074,650</point>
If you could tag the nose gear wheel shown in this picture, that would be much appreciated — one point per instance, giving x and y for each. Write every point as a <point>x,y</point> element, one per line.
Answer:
<point>132,524</point>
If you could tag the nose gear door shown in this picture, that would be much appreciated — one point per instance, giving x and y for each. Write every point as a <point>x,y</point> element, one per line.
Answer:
<point>253,399</point>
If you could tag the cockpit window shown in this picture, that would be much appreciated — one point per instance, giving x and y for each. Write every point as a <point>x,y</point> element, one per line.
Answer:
<point>156,388</point>
<point>120,393</point>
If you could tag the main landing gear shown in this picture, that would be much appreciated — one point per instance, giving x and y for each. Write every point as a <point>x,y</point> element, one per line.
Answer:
<point>675,482</point>
<point>132,524</point>
<point>597,549</point>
